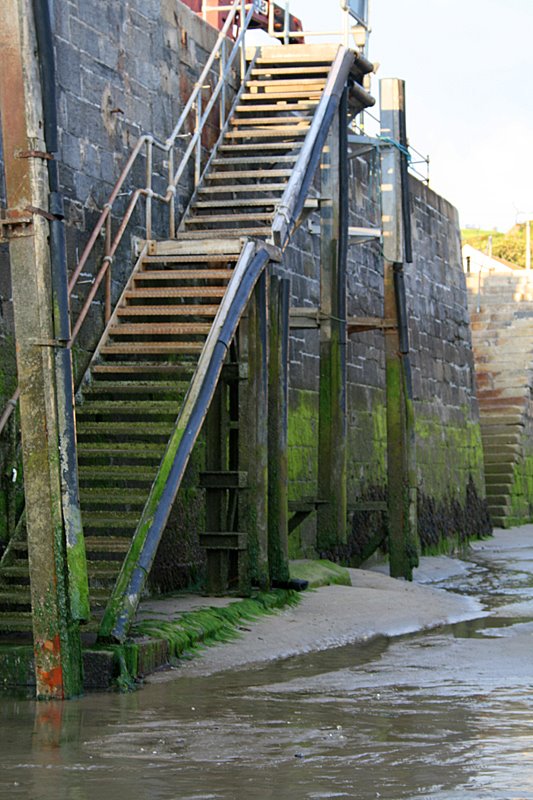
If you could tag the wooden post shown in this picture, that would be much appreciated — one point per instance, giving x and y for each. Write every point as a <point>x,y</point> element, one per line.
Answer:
<point>278,421</point>
<point>253,435</point>
<point>218,566</point>
<point>331,516</point>
<point>56,636</point>
<point>401,465</point>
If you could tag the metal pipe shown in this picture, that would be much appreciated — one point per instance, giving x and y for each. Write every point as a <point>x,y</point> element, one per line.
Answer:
<point>78,588</point>
<point>149,171</point>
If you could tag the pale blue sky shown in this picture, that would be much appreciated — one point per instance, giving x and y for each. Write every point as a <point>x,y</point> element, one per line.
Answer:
<point>468,65</point>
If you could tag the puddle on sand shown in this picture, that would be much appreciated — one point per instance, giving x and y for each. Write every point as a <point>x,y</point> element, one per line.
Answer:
<point>445,714</point>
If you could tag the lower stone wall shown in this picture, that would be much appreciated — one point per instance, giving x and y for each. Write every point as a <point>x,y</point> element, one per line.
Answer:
<point>451,487</point>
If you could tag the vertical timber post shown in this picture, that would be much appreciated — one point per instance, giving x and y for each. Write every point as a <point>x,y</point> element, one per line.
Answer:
<point>278,421</point>
<point>57,645</point>
<point>403,538</point>
<point>331,516</point>
<point>253,435</point>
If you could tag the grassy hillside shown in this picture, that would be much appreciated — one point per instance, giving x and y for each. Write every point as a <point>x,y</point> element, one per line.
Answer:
<point>511,245</point>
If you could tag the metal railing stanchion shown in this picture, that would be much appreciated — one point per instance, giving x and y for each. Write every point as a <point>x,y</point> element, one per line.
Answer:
<point>149,171</point>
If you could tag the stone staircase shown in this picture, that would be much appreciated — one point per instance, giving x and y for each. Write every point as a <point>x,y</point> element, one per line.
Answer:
<point>141,373</point>
<point>501,309</point>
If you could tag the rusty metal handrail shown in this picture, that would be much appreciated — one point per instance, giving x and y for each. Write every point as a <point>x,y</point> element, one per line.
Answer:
<point>147,142</point>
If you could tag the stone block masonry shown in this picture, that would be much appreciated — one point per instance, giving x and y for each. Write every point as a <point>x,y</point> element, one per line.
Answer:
<point>501,305</point>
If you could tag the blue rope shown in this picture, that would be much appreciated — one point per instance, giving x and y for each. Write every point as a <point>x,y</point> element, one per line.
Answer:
<point>398,145</point>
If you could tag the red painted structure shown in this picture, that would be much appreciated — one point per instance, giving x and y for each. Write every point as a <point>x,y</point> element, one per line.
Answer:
<point>259,20</point>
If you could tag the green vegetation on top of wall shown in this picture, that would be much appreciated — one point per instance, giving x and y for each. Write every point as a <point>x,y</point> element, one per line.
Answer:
<point>510,246</point>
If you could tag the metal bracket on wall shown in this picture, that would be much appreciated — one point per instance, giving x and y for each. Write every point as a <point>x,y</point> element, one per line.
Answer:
<point>362,324</point>
<point>363,235</point>
<point>14,226</point>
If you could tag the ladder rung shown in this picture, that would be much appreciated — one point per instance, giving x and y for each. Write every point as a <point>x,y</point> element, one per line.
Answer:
<point>256,188</point>
<point>259,173</point>
<point>260,146</point>
<point>278,133</point>
<point>176,291</point>
<point>290,68</point>
<point>168,311</point>
<point>274,159</point>
<point>229,232</point>
<point>192,259</point>
<point>309,95</point>
<point>263,121</point>
<point>164,328</point>
<point>243,203</point>
<point>183,274</point>
<point>302,105</point>
<point>290,82</point>
<point>208,218</point>
<point>152,348</point>
<point>156,368</point>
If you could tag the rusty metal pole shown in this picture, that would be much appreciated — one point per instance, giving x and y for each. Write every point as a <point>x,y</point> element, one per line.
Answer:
<point>401,464</point>
<point>56,636</point>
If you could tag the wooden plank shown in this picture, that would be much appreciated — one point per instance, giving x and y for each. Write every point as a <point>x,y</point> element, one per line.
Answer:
<point>243,160</point>
<point>237,232</point>
<point>265,121</point>
<point>296,105</point>
<point>290,68</point>
<point>214,246</point>
<point>148,328</point>
<point>292,53</point>
<point>258,173</point>
<point>141,293</point>
<point>269,133</point>
<point>182,274</point>
<point>256,202</point>
<point>255,188</point>
<point>169,311</point>
<point>210,218</point>
<point>269,96</point>
<point>263,146</point>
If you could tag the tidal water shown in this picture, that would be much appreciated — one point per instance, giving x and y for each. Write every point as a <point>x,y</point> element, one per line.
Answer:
<point>446,714</point>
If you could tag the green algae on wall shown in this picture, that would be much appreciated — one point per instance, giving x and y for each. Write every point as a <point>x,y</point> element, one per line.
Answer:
<point>521,494</point>
<point>302,464</point>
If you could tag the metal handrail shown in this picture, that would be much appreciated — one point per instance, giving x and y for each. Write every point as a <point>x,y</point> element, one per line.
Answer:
<point>147,143</point>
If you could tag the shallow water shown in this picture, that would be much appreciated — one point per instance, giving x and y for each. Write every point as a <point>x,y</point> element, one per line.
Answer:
<point>445,714</point>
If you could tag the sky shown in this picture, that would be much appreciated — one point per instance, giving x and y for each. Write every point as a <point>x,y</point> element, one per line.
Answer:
<point>468,67</point>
